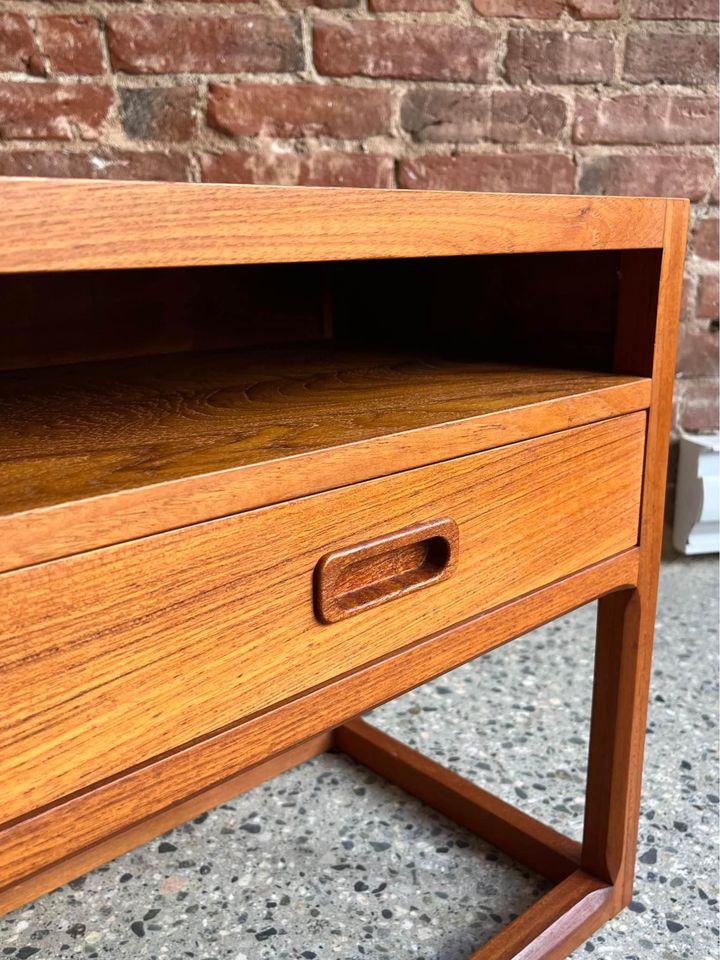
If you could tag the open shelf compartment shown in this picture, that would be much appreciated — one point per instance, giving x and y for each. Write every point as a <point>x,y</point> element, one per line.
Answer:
<point>136,401</point>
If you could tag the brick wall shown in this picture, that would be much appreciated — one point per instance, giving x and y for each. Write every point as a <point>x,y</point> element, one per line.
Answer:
<point>590,96</point>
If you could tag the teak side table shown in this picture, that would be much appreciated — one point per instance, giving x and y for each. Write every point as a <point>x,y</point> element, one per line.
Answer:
<point>271,457</point>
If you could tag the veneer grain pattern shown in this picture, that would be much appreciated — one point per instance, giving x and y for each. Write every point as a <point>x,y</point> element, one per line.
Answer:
<point>112,637</point>
<point>101,453</point>
<point>100,225</point>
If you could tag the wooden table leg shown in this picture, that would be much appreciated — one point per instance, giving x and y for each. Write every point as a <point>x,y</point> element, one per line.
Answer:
<point>619,714</point>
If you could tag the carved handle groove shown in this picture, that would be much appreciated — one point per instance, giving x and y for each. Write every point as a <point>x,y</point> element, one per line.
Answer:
<point>356,578</point>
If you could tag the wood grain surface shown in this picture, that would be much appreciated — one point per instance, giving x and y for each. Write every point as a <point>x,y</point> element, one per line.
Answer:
<point>50,319</point>
<point>104,225</point>
<point>158,789</point>
<point>96,454</point>
<point>348,581</point>
<point>113,656</point>
<point>626,622</point>
<point>162,648</point>
<point>555,924</point>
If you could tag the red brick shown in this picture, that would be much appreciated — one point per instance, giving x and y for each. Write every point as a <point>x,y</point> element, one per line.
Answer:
<point>71,44</point>
<point>159,43</point>
<point>699,405</point>
<point>519,117</point>
<point>697,353</point>
<point>437,116</point>
<point>558,57</point>
<point>505,116</point>
<point>53,111</point>
<point>347,170</point>
<point>158,113</point>
<point>687,303</point>
<point>131,165</point>
<point>18,50</point>
<point>523,173</point>
<point>671,57</point>
<point>537,9</point>
<point>593,9</point>
<point>705,240</point>
<point>409,51</point>
<point>671,175</point>
<point>298,110</point>
<point>99,165</point>
<point>674,9</point>
<point>321,4</point>
<point>290,169</point>
<point>646,119</point>
<point>44,163</point>
<point>549,9</point>
<point>411,6</point>
<point>707,297</point>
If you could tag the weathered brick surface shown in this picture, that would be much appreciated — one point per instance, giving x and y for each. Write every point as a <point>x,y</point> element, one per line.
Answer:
<point>536,9</point>
<point>446,116</point>
<point>671,58</point>
<point>674,9</point>
<point>53,111</point>
<point>698,406</point>
<point>18,50</point>
<point>553,56</point>
<point>99,165</point>
<point>320,4</point>
<point>412,6</point>
<point>45,163</point>
<point>162,43</point>
<point>697,353</point>
<point>410,51</point>
<point>584,96</point>
<point>505,116</point>
<point>669,175</point>
<point>299,110</point>
<point>645,118</point>
<point>526,173</point>
<point>520,117</point>
<point>324,169</point>
<point>549,9</point>
<point>71,44</point>
<point>705,240</point>
<point>158,113</point>
<point>707,298</point>
<point>150,165</point>
<point>593,9</point>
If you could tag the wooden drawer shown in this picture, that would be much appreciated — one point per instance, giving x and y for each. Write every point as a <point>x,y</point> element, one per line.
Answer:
<point>115,656</point>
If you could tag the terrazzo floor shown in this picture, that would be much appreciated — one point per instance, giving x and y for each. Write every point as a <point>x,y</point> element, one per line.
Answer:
<point>330,861</point>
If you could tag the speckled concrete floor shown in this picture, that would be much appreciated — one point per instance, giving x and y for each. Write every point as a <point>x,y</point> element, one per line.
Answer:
<point>329,861</point>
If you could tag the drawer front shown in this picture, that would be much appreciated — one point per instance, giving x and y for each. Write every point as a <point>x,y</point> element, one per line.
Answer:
<point>112,657</point>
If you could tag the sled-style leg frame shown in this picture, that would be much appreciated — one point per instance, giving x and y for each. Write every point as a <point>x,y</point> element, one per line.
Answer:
<point>593,878</point>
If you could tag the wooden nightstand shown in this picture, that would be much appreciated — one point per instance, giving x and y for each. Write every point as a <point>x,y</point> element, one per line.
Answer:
<point>271,457</point>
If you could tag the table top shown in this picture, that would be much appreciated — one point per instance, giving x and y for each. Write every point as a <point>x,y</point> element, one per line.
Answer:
<point>80,225</point>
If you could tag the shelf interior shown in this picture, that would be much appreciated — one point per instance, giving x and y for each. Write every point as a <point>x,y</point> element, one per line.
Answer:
<point>134,402</point>
<point>86,430</point>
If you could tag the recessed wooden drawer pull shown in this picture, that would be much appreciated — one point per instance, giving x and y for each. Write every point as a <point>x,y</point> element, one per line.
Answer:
<point>357,578</point>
